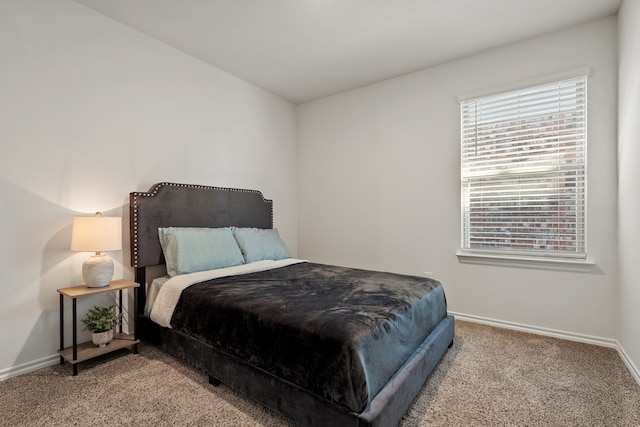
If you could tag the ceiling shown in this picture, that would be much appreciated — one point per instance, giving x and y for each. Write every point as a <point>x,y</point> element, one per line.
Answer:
<point>302,50</point>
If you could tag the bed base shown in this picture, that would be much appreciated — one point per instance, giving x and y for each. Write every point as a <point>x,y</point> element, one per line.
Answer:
<point>304,408</point>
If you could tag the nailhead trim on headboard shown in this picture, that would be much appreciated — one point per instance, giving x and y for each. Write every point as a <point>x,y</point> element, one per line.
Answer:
<point>135,200</point>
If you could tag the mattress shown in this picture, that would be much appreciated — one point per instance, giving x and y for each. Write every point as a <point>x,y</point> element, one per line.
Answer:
<point>339,333</point>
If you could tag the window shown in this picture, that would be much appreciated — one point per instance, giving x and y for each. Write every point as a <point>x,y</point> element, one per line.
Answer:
<point>523,172</point>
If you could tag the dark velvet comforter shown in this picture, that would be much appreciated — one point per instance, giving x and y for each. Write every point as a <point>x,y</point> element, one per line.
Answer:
<point>337,332</point>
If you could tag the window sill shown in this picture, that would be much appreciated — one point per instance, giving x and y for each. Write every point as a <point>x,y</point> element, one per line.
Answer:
<point>566,264</point>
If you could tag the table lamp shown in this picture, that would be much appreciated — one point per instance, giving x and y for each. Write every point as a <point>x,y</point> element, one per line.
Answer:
<point>96,234</point>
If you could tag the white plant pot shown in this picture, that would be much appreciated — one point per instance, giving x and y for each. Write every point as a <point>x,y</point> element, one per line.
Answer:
<point>101,339</point>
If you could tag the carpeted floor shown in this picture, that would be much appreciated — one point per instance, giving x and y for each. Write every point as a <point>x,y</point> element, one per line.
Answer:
<point>490,377</point>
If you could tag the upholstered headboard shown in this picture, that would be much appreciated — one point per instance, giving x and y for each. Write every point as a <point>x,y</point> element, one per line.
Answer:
<point>185,205</point>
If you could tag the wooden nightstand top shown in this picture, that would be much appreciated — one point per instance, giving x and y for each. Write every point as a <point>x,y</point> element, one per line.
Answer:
<point>82,290</point>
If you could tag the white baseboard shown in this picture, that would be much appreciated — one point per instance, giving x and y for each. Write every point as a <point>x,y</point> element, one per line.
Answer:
<point>14,371</point>
<point>588,339</point>
<point>627,361</point>
<point>604,342</point>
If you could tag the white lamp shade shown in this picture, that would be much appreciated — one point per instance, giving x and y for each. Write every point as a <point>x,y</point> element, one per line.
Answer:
<point>96,234</point>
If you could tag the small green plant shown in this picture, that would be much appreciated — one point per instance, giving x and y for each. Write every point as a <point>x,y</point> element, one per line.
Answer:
<point>101,319</point>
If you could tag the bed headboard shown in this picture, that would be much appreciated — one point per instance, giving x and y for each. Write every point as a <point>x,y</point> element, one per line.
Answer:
<point>186,205</point>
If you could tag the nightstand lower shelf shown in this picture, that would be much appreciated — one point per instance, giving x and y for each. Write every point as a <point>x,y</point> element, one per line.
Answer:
<point>88,350</point>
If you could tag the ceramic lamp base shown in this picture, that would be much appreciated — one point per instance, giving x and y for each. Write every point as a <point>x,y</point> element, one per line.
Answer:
<point>97,271</point>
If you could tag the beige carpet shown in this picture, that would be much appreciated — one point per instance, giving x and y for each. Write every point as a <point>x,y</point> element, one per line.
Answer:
<point>490,377</point>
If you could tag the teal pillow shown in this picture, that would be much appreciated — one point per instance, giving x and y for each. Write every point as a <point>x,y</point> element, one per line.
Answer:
<point>190,249</point>
<point>259,244</point>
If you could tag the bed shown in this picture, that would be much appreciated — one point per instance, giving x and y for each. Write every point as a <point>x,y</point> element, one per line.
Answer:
<point>323,345</point>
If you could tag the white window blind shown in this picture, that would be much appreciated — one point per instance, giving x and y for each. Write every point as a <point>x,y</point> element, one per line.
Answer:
<point>523,171</point>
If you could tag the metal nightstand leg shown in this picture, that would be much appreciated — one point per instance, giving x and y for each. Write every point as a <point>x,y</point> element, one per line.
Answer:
<point>75,338</point>
<point>61,327</point>
<point>135,319</point>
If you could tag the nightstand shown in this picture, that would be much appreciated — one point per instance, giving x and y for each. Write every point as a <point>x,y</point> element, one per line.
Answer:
<point>87,350</point>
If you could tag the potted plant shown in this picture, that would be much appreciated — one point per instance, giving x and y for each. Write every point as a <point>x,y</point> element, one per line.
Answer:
<point>100,321</point>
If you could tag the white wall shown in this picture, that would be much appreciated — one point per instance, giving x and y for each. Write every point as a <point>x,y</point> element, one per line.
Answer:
<point>628,180</point>
<point>379,186</point>
<point>90,111</point>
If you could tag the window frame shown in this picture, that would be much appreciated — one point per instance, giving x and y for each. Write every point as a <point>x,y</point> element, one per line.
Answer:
<point>503,255</point>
